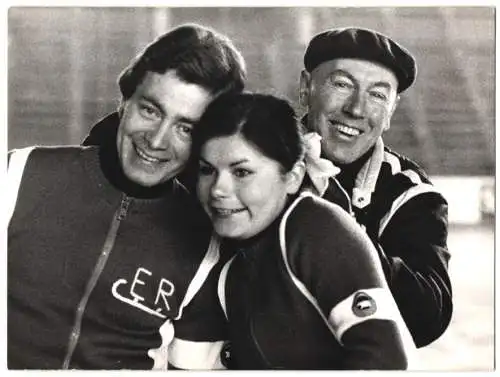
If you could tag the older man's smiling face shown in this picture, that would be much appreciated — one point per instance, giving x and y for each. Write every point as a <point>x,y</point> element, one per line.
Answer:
<point>350,104</point>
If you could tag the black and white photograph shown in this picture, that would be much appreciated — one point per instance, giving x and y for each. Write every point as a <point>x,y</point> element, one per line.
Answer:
<point>248,187</point>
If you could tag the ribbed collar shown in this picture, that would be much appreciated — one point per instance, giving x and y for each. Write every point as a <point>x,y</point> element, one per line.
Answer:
<point>103,135</point>
<point>112,170</point>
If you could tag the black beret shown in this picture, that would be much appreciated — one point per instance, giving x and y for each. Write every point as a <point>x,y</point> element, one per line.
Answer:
<point>363,44</point>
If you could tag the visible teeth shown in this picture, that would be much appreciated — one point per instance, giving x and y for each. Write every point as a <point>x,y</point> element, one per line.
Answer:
<point>348,130</point>
<point>146,157</point>
<point>226,212</point>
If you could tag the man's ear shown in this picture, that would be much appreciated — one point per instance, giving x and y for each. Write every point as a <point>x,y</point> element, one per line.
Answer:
<point>305,79</point>
<point>295,177</point>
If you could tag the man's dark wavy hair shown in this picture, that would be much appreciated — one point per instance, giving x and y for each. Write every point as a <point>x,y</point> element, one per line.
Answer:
<point>197,54</point>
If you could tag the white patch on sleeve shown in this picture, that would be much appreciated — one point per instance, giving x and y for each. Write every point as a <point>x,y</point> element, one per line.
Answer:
<point>373,303</point>
<point>189,355</point>
<point>367,304</point>
<point>160,354</point>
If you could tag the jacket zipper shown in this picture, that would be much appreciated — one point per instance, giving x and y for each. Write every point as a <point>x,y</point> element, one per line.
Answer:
<point>109,242</point>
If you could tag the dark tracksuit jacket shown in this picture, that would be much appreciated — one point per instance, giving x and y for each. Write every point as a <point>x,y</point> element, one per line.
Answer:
<point>103,274</point>
<point>309,293</point>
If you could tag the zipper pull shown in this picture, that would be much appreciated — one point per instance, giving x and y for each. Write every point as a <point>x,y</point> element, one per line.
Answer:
<point>124,207</point>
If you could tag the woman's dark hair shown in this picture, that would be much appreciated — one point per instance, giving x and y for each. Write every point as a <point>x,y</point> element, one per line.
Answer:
<point>198,55</point>
<point>266,121</point>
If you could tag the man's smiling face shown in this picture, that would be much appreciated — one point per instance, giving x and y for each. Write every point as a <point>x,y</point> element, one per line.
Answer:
<point>154,136</point>
<point>350,104</point>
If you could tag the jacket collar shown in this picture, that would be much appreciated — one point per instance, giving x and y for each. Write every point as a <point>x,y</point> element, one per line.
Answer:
<point>103,134</point>
<point>366,179</point>
<point>104,131</point>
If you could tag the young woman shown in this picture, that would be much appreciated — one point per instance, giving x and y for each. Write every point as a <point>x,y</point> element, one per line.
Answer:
<point>305,288</point>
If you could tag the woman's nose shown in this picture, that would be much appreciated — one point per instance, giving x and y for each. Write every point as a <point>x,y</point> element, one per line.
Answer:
<point>221,185</point>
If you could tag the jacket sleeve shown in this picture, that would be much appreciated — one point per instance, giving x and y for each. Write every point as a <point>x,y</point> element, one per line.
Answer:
<point>200,332</point>
<point>337,262</point>
<point>414,253</point>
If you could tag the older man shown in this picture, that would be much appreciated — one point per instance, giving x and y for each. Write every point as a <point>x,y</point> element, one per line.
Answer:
<point>351,85</point>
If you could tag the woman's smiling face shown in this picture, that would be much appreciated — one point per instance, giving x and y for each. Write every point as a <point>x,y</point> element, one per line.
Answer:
<point>242,190</point>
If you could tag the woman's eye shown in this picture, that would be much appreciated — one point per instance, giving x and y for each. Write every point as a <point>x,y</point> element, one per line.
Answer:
<point>242,173</point>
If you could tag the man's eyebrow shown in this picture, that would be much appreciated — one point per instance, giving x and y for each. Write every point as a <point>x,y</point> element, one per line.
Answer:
<point>155,103</point>
<point>384,84</point>
<point>188,120</point>
<point>341,72</point>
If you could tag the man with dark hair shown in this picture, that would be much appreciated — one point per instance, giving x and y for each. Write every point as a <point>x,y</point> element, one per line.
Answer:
<point>108,254</point>
<point>351,85</point>
<point>218,67</point>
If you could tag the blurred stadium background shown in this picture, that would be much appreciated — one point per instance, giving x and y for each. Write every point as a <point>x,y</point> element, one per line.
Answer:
<point>63,64</point>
